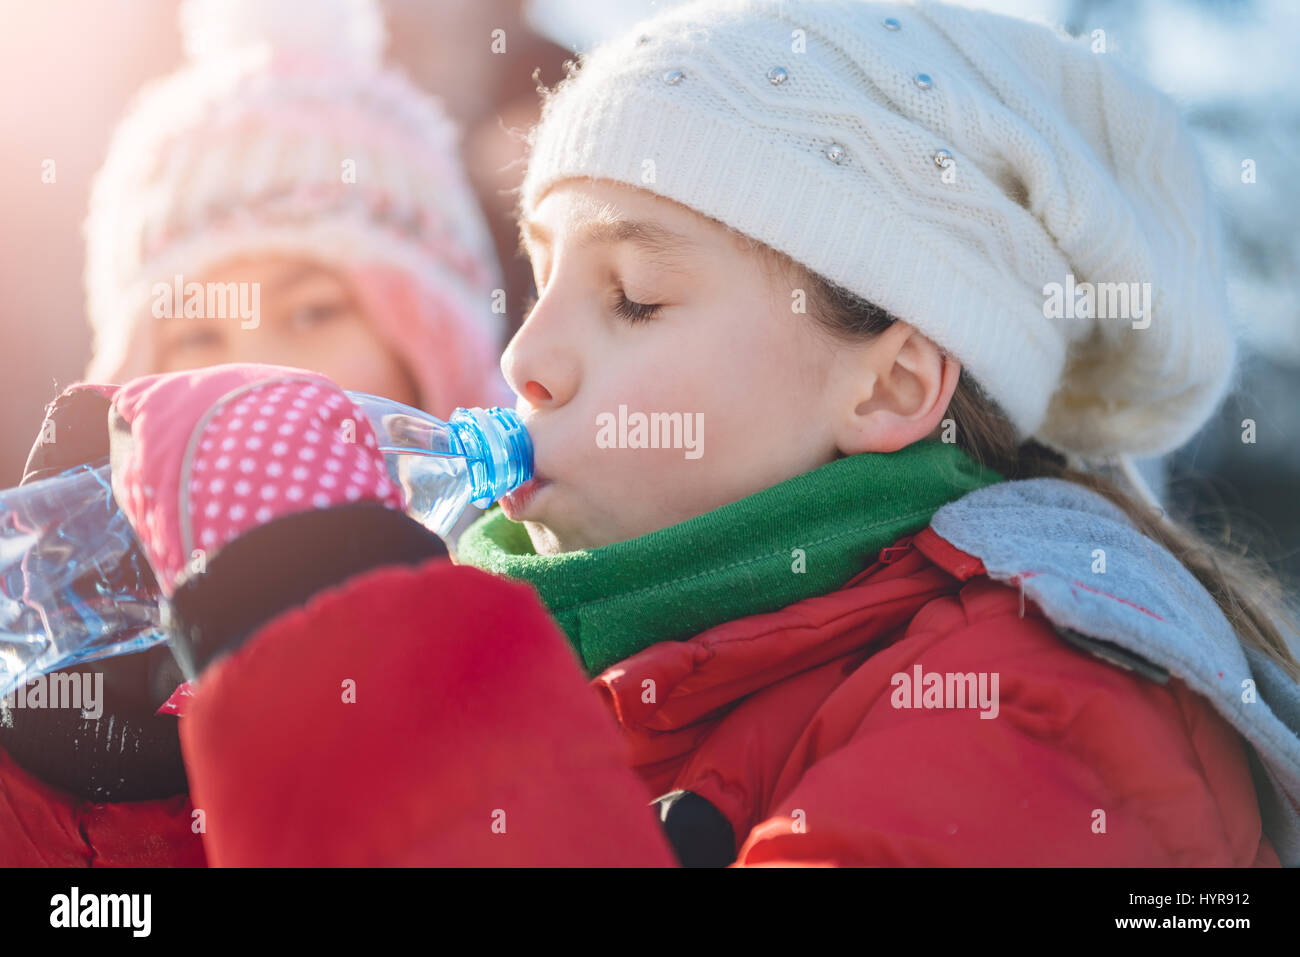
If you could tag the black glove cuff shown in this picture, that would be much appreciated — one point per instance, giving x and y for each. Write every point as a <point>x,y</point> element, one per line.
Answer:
<point>280,565</point>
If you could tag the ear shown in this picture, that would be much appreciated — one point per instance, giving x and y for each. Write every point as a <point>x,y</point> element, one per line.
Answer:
<point>893,391</point>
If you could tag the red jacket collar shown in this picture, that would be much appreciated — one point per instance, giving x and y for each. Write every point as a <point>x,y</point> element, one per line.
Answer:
<point>673,684</point>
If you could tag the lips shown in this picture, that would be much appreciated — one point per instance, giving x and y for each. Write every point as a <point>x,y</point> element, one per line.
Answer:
<point>515,504</point>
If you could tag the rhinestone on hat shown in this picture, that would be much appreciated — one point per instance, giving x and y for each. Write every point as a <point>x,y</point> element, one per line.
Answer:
<point>923,81</point>
<point>777,75</point>
<point>835,153</point>
<point>942,159</point>
<point>890,23</point>
<point>673,77</point>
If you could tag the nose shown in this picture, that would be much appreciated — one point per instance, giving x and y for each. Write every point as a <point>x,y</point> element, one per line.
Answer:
<point>540,363</point>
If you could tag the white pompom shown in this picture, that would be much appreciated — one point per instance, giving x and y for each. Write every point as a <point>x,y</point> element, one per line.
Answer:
<point>351,30</point>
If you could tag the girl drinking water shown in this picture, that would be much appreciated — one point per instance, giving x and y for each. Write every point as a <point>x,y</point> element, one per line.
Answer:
<point>893,613</point>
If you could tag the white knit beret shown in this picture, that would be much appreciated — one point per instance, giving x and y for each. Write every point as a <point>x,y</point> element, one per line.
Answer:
<point>283,133</point>
<point>816,127</point>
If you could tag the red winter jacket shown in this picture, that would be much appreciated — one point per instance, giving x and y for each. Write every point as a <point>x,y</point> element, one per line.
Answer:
<point>472,740</point>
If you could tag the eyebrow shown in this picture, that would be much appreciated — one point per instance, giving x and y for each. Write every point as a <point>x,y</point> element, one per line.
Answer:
<point>659,242</point>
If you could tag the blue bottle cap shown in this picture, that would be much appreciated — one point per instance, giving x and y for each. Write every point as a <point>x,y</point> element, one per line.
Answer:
<point>497,448</point>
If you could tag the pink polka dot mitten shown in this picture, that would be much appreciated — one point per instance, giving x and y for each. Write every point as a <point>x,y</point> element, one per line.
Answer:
<point>202,457</point>
<point>252,488</point>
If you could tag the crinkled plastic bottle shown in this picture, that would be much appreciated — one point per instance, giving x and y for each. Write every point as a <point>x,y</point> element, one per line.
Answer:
<point>75,587</point>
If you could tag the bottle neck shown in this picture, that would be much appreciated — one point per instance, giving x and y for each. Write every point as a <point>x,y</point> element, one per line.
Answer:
<point>494,442</point>
<point>497,449</point>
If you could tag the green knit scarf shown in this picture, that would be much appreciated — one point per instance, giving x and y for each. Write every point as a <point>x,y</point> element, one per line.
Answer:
<point>806,536</point>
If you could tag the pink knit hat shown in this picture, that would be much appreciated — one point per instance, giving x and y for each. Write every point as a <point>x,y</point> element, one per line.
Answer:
<point>285,135</point>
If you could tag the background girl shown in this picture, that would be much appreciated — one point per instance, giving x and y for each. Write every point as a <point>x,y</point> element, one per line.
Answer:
<point>285,155</point>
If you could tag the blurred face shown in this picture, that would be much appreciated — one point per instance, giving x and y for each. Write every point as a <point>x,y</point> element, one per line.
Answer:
<point>306,316</point>
<point>648,307</point>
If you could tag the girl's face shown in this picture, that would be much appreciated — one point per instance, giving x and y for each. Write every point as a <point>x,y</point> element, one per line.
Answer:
<point>646,306</point>
<point>306,316</point>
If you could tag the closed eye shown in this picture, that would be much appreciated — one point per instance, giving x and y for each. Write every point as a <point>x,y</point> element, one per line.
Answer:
<point>634,312</point>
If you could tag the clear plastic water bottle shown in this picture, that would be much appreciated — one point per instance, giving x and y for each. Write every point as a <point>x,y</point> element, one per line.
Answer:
<point>75,588</point>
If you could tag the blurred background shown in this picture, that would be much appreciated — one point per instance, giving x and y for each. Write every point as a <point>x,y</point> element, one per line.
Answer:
<point>68,69</point>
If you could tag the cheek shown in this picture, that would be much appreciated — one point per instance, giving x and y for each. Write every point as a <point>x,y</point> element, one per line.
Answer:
<point>745,377</point>
<point>707,455</point>
<point>754,373</point>
<point>758,391</point>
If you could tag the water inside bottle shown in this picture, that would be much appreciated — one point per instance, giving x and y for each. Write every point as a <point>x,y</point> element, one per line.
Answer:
<point>434,485</point>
